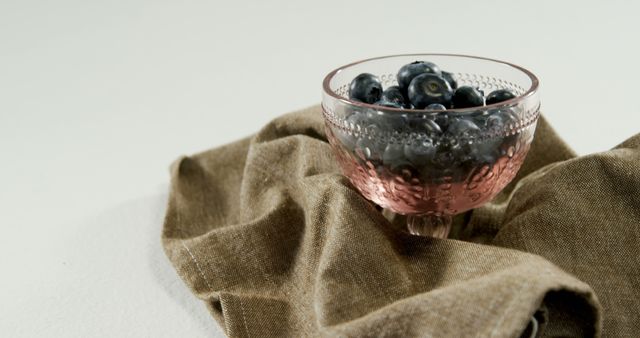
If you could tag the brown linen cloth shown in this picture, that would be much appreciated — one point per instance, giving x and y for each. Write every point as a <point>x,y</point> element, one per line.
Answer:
<point>277,243</point>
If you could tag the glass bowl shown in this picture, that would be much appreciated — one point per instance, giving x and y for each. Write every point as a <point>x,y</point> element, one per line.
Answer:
<point>431,165</point>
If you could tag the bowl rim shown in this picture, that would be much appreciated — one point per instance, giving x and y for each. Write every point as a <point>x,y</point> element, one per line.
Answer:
<point>535,84</point>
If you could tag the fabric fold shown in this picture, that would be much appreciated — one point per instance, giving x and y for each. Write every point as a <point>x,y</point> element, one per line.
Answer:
<point>277,243</point>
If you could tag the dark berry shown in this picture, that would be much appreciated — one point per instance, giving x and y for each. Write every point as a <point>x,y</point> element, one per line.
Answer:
<point>420,152</point>
<point>486,151</point>
<point>394,94</point>
<point>388,104</point>
<point>435,106</point>
<point>463,134</point>
<point>444,157</point>
<point>502,118</point>
<point>463,129</point>
<point>393,154</point>
<point>395,159</point>
<point>388,121</point>
<point>494,123</point>
<point>442,120</point>
<point>410,71</point>
<point>429,88</point>
<point>466,97</point>
<point>499,95</point>
<point>347,137</point>
<point>431,127</point>
<point>449,77</point>
<point>365,88</point>
<point>370,147</point>
<point>424,125</point>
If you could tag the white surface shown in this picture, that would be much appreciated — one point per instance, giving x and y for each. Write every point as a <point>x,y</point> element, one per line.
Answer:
<point>103,275</point>
<point>98,97</point>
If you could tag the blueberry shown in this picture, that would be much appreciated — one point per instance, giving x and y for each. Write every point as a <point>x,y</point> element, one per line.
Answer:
<point>442,120</point>
<point>499,95</point>
<point>357,117</point>
<point>497,123</point>
<point>432,127</point>
<point>388,121</point>
<point>420,152</point>
<point>429,88</point>
<point>370,148</point>
<point>394,94</point>
<point>393,154</point>
<point>444,157</point>
<point>449,77</point>
<point>348,138</point>
<point>388,104</point>
<point>461,132</point>
<point>509,119</point>
<point>486,151</point>
<point>503,118</point>
<point>466,97</point>
<point>394,158</point>
<point>463,129</point>
<point>423,124</point>
<point>410,71</point>
<point>365,88</point>
<point>436,106</point>
<point>494,123</point>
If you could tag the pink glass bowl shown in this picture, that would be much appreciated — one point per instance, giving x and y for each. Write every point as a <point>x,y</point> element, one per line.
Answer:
<point>431,165</point>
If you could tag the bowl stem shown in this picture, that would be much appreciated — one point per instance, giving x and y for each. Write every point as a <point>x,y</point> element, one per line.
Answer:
<point>429,225</point>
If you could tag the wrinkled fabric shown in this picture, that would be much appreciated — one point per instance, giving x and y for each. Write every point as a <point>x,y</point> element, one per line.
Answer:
<point>277,243</point>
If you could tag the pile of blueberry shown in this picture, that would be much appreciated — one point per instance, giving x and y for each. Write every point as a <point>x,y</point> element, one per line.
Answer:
<point>422,85</point>
<point>440,142</point>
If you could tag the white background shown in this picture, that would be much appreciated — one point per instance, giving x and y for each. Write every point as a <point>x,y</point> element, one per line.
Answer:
<point>98,97</point>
